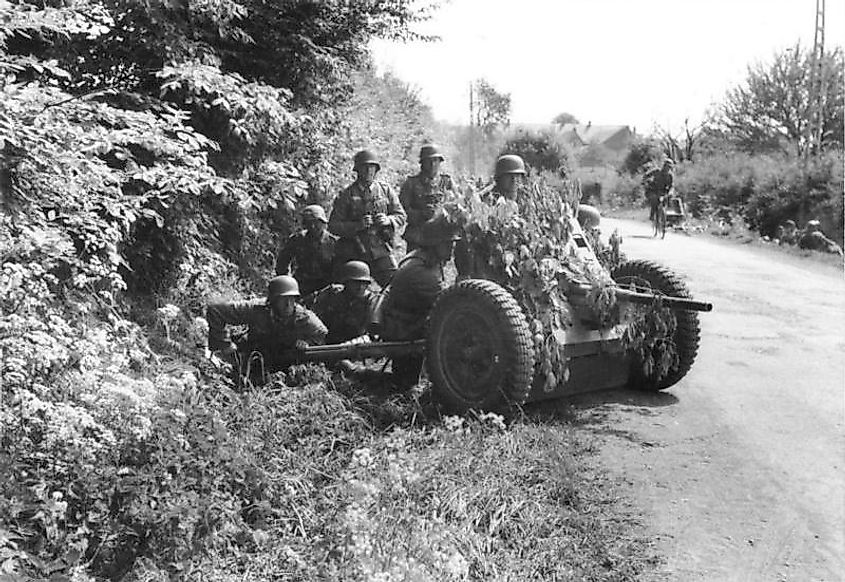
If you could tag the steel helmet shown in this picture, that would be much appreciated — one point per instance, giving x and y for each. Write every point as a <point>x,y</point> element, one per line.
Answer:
<point>430,151</point>
<point>588,216</point>
<point>314,212</point>
<point>355,271</point>
<point>365,157</point>
<point>509,164</point>
<point>282,286</point>
<point>438,230</point>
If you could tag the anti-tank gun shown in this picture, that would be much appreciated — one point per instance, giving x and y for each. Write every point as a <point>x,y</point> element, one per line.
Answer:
<point>551,322</point>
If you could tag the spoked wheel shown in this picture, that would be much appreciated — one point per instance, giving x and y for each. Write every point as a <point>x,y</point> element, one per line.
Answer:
<point>479,353</point>
<point>649,277</point>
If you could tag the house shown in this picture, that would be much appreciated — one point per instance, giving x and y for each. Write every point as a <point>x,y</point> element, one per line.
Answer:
<point>617,138</point>
<point>599,144</point>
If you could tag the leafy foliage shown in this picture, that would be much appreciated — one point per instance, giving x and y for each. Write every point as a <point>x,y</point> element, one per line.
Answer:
<point>564,118</point>
<point>543,150</point>
<point>493,109</point>
<point>122,44</point>
<point>770,111</point>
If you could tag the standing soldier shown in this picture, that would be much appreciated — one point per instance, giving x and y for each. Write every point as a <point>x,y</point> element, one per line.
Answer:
<point>422,195</point>
<point>345,309</point>
<point>658,183</point>
<point>412,293</point>
<point>308,255</point>
<point>366,216</point>
<point>275,326</point>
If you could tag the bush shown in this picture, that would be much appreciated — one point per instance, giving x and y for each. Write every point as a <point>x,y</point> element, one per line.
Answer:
<point>542,150</point>
<point>767,190</point>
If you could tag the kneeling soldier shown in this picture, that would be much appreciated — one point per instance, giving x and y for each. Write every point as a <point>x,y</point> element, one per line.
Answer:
<point>412,292</point>
<point>308,255</point>
<point>276,327</point>
<point>346,309</point>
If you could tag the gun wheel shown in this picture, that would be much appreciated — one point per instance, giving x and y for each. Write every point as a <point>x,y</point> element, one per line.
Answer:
<point>479,352</point>
<point>650,277</point>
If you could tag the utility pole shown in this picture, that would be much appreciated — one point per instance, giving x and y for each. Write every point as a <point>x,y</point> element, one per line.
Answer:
<point>815,109</point>
<point>471,132</point>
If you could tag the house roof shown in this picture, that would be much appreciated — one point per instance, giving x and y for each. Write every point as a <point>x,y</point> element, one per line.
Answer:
<point>592,134</point>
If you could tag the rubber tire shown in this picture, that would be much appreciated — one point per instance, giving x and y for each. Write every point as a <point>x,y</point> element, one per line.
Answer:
<point>473,310</point>
<point>649,276</point>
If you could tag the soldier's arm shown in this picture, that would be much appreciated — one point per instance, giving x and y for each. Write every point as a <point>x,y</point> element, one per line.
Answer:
<point>395,212</point>
<point>315,330</point>
<point>406,199</point>
<point>221,315</point>
<point>341,222</point>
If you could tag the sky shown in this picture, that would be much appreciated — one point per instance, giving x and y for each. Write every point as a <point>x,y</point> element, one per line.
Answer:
<point>641,63</point>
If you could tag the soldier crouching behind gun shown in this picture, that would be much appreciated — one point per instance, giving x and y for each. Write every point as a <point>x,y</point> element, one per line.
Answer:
<point>412,292</point>
<point>277,327</point>
<point>366,216</point>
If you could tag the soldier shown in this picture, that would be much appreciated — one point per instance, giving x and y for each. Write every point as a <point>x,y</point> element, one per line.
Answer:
<point>509,174</point>
<point>658,183</point>
<point>422,195</point>
<point>346,308</point>
<point>308,255</point>
<point>366,216</point>
<point>412,292</point>
<point>814,239</point>
<point>510,170</point>
<point>275,326</point>
<point>788,233</point>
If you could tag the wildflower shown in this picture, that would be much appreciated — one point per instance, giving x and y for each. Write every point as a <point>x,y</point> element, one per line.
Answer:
<point>454,423</point>
<point>362,458</point>
<point>495,420</point>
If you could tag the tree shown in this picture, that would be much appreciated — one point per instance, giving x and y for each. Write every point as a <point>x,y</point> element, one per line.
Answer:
<point>542,150</point>
<point>306,46</point>
<point>564,118</point>
<point>771,110</point>
<point>493,108</point>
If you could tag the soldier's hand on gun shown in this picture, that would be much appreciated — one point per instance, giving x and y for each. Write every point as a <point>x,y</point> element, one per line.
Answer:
<point>366,221</point>
<point>300,345</point>
<point>429,211</point>
<point>382,219</point>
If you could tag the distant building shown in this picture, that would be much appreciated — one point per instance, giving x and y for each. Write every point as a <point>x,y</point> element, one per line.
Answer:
<point>617,138</point>
<point>605,143</point>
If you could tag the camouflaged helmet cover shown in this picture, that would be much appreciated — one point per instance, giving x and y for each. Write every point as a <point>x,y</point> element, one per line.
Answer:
<point>437,230</point>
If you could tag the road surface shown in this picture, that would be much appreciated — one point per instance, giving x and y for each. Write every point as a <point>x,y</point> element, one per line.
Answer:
<point>739,470</point>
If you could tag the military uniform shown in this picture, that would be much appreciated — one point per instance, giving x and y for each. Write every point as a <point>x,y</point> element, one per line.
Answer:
<point>346,316</point>
<point>817,241</point>
<point>421,196</point>
<point>410,296</point>
<point>266,333</point>
<point>374,245</point>
<point>309,258</point>
<point>657,182</point>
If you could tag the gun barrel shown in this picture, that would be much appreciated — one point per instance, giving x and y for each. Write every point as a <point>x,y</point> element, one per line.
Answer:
<point>334,352</point>
<point>679,303</point>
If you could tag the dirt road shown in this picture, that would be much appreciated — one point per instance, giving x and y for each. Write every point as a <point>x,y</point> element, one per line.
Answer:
<point>739,470</point>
